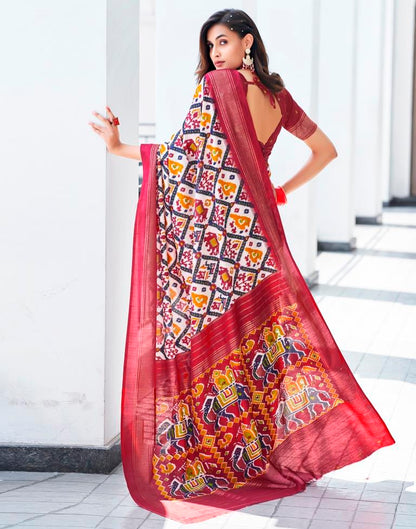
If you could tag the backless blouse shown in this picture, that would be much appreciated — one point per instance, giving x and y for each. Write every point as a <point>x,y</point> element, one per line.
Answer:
<point>294,118</point>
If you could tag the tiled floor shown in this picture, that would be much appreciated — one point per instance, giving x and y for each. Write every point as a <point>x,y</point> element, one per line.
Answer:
<point>368,298</point>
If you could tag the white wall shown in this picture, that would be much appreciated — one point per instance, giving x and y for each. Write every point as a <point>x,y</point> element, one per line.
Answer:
<point>57,214</point>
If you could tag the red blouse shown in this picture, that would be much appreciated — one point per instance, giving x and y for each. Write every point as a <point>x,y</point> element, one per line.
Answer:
<point>294,119</point>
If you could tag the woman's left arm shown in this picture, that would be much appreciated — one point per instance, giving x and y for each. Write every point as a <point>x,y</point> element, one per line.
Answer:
<point>323,151</point>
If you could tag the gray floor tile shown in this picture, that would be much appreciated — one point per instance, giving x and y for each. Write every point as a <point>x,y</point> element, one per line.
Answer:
<point>365,525</point>
<point>67,486</point>
<point>29,476</point>
<point>374,517</point>
<point>375,495</point>
<point>296,501</point>
<point>334,514</point>
<point>406,520</point>
<point>106,499</point>
<point>155,524</point>
<point>13,517</point>
<point>329,524</point>
<point>405,508</point>
<point>112,522</point>
<point>98,509</point>
<point>125,511</point>
<point>408,497</point>
<point>22,495</point>
<point>40,507</point>
<point>342,504</point>
<point>43,526</point>
<point>82,477</point>
<point>13,484</point>
<point>63,520</point>
<point>374,506</point>
<point>385,486</point>
<point>287,511</point>
<point>264,509</point>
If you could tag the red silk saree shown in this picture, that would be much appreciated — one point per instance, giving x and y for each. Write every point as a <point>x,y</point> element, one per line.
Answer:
<point>234,390</point>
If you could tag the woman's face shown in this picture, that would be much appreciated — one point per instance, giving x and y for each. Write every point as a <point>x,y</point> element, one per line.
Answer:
<point>225,47</point>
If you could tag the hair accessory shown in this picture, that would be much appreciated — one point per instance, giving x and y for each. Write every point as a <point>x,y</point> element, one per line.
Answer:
<point>248,63</point>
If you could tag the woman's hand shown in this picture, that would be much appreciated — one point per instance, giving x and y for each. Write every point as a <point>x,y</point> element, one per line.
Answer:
<point>108,131</point>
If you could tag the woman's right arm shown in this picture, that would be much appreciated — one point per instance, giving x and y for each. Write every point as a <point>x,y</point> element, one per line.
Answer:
<point>109,133</point>
<point>127,151</point>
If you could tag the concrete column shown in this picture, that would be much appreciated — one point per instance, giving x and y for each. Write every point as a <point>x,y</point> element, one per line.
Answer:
<point>404,22</point>
<point>367,154</point>
<point>122,179</point>
<point>293,53</point>
<point>335,198</point>
<point>147,65</point>
<point>66,226</point>
<point>386,94</point>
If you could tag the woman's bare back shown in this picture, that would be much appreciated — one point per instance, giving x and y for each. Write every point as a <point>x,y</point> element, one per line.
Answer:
<point>265,117</point>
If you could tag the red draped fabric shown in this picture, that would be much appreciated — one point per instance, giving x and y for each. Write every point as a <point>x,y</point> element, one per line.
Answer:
<point>234,390</point>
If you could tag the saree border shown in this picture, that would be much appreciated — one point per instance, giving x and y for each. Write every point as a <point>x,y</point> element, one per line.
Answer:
<point>138,372</point>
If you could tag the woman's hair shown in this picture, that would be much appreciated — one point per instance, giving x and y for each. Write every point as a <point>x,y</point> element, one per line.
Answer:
<point>242,24</point>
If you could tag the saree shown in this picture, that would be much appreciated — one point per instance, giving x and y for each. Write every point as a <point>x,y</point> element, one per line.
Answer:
<point>234,389</point>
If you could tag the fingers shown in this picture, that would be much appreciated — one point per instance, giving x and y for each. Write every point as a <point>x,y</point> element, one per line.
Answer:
<point>96,128</point>
<point>101,118</point>
<point>107,121</point>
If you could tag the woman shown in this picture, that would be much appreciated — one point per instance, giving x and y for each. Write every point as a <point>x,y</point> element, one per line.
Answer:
<point>234,390</point>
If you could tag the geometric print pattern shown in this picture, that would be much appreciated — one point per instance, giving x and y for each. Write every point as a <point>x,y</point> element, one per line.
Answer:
<point>211,248</point>
<point>219,433</point>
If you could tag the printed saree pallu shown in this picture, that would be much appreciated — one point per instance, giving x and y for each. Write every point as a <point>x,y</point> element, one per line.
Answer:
<point>234,390</point>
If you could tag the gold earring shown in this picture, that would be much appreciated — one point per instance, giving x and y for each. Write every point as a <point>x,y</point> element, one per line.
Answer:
<point>248,63</point>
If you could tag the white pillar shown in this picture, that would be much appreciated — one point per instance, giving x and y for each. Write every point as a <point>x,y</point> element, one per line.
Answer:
<point>292,51</point>
<point>66,226</point>
<point>367,153</point>
<point>122,77</point>
<point>402,100</point>
<point>386,94</point>
<point>336,102</point>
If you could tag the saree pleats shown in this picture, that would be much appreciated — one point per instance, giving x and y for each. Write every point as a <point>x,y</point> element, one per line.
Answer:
<point>234,390</point>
